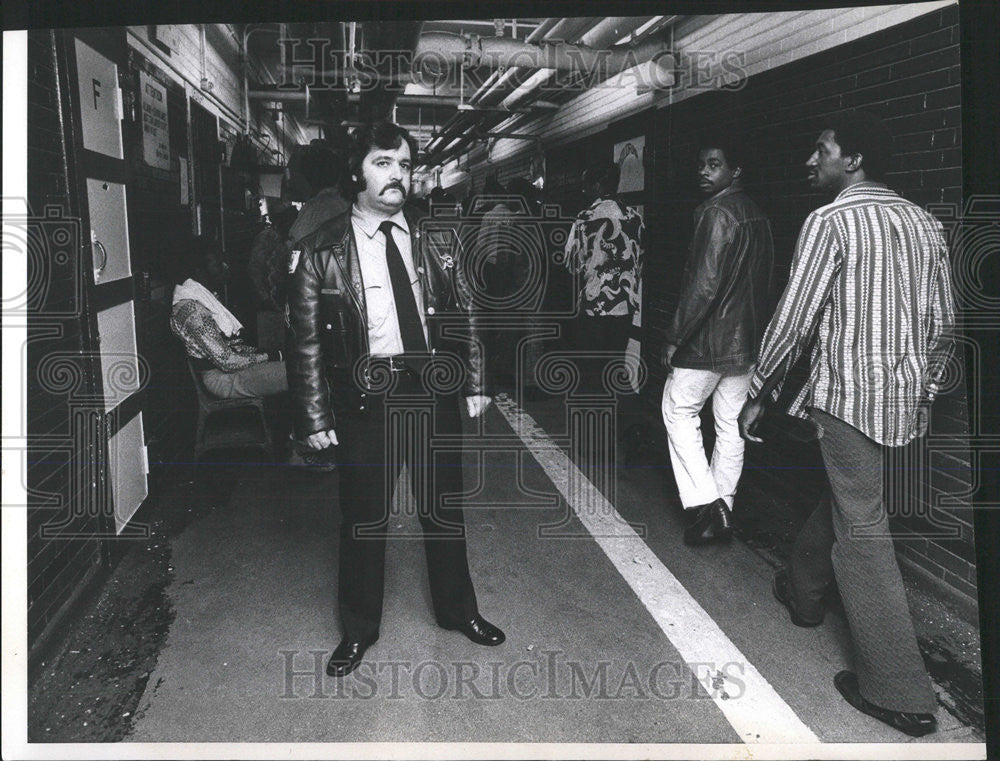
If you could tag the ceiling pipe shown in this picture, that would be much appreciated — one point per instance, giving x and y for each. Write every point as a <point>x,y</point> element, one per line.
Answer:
<point>612,63</point>
<point>506,52</point>
<point>599,33</point>
<point>611,30</point>
<point>541,30</point>
<point>569,29</point>
<point>287,96</point>
<point>515,76</point>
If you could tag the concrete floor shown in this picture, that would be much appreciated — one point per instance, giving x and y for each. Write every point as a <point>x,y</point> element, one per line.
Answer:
<point>253,594</point>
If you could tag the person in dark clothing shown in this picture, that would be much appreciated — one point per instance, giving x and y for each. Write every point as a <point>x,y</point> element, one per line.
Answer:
<point>376,306</point>
<point>324,168</point>
<point>712,342</point>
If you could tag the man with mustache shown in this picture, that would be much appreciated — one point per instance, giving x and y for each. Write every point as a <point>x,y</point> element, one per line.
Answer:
<point>712,341</point>
<point>870,287</point>
<point>383,344</point>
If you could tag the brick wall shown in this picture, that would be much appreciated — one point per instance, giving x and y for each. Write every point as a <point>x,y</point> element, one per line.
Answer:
<point>804,67</point>
<point>910,75</point>
<point>58,565</point>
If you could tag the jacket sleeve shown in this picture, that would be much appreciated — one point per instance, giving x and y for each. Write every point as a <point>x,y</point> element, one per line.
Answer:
<point>706,273</point>
<point>307,381</point>
<point>203,339</point>
<point>941,332</point>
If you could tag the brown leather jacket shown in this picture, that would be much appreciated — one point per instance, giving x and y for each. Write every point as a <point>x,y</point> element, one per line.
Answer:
<point>726,299</point>
<point>328,363</point>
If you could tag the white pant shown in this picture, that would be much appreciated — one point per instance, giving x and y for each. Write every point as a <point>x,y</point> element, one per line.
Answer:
<point>684,394</point>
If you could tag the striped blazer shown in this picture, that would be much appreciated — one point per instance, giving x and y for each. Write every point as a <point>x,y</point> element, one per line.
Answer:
<point>870,282</point>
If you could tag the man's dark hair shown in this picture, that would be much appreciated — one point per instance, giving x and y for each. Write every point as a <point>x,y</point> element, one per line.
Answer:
<point>321,167</point>
<point>521,186</point>
<point>385,135</point>
<point>730,145</point>
<point>200,259</point>
<point>606,175</point>
<point>864,133</point>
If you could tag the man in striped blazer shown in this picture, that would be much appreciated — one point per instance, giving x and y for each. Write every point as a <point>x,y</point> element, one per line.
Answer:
<point>870,283</point>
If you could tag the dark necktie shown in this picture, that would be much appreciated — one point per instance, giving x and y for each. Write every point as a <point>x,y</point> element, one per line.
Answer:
<point>406,306</point>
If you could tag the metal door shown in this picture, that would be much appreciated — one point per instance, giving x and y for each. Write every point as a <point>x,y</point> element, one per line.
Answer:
<point>94,60</point>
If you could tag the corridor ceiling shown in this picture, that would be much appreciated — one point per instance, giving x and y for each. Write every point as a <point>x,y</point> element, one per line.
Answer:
<point>453,83</point>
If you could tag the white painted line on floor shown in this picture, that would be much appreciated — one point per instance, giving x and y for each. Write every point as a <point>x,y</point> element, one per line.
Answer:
<point>747,700</point>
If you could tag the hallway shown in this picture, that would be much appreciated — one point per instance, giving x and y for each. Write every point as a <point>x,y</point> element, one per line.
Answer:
<point>605,624</point>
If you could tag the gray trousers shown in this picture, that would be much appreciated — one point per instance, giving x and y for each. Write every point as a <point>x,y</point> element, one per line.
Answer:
<point>846,539</point>
<point>262,379</point>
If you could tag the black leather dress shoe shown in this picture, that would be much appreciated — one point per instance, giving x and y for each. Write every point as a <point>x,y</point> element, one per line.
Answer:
<point>712,523</point>
<point>701,530</point>
<point>781,587</point>
<point>346,657</point>
<point>480,631</point>
<point>913,724</point>
<point>723,520</point>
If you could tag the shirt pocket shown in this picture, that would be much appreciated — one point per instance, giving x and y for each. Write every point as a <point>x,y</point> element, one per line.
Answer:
<point>378,302</point>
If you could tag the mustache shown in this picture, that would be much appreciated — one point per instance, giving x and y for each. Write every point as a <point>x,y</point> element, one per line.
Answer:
<point>397,185</point>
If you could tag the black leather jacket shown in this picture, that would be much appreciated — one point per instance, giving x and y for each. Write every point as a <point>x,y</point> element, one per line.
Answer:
<point>725,301</point>
<point>328,344</point>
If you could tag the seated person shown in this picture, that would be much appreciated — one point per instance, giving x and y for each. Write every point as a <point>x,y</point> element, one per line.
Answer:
<point>229,368</point>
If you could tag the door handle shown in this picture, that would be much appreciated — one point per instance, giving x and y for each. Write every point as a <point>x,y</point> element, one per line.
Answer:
<point>104,254</point>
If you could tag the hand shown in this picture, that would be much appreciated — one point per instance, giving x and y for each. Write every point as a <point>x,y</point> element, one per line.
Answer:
<point>322,439</point>
<point>923,419</point>
<point>477,404</point>
<point>667,355</point>
<point>750,415</point>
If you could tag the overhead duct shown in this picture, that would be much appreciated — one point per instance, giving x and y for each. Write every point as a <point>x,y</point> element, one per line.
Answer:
<point>503,52</point>
<point>508,87</point>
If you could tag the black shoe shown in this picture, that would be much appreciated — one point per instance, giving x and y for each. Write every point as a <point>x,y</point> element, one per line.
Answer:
<point>480,631</point>
<point>702,529</point>
<point>723,520</point>
<point>346,658</point>
<point>913,724</point>
<point>782,593</point>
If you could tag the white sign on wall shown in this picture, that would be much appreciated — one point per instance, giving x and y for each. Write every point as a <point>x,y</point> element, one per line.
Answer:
<point>155,132</point>
<point>100,109</point>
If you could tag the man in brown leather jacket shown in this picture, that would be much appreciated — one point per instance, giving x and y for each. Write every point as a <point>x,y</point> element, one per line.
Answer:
<point>382,345</point>
<point>713,340</point>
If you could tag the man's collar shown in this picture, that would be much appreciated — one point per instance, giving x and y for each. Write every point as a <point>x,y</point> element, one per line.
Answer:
<point>865,187</point>
<point>369,223</point>
<point>734,187</point>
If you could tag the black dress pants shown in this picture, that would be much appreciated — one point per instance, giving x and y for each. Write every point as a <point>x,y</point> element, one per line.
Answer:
<point>401,423</point>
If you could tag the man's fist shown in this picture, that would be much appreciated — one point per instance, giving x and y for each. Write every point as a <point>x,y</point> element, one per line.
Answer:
<point>667,356</point>
<point>477,404</point>
<point>750,415</point>
<point>322,439</point>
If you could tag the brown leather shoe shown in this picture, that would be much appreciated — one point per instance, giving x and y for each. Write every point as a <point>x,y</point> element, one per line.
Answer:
<point>913,724</point>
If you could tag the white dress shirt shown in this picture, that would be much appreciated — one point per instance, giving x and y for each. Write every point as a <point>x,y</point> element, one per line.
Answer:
<point>384,338</point>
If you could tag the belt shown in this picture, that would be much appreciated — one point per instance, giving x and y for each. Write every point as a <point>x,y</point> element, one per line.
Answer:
<point>396,363</point>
